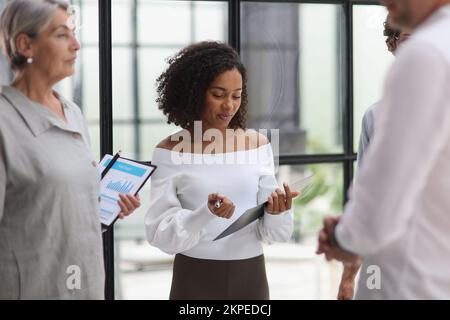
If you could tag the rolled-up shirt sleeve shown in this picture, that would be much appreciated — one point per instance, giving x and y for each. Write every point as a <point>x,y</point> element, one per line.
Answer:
<point>272,227</point>
<point>411,130</point>
<point>170,227</point>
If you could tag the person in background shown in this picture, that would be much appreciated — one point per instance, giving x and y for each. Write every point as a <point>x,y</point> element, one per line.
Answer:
<point>394,39</point>
<point>50,234</point>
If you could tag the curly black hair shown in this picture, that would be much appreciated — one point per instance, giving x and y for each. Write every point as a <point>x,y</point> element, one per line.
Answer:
<point>182,87</point>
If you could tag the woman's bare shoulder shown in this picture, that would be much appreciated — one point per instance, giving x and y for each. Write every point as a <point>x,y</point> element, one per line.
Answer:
<point>171,141</point>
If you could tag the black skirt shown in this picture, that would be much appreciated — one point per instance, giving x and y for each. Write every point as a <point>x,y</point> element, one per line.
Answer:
<point>202,279</point>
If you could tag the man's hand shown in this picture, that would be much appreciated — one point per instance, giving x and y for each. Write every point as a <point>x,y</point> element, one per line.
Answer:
<point>346,289</point>
<point>328,245</point>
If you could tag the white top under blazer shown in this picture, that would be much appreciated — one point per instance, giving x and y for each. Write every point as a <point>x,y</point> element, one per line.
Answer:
<point>179,220</point>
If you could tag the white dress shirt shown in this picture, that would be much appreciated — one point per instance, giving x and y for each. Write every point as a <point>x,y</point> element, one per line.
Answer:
<point>398,217</point>
<point>179,220</point>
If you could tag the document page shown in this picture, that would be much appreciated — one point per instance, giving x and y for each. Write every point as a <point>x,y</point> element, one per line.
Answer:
<point>125,176</point>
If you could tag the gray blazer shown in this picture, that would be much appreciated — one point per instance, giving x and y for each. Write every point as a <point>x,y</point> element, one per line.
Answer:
<point>50,237</point>
<point>367,130</point>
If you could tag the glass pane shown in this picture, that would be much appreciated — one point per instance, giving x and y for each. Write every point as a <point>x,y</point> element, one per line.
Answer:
<point>124,139</point>
<point>121,11</point>
<point>89,20</point>
<point>294,271</point>
<point>371,60</point>
<point>202,20</point>
<point>165,22</point>
<point>123,96</point>
<point>210,19</point>
<point>296,73</point>
<point>90,83</point>
<point>152,62</point>
<point>152,134</point>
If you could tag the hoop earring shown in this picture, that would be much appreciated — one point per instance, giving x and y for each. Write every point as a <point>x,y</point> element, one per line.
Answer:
<point>30,60</point>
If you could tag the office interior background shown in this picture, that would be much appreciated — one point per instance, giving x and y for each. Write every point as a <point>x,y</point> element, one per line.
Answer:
<point>314,68</point>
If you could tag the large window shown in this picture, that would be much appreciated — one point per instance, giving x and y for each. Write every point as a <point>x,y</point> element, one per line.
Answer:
<point>314,68</point>
<point>302,69</point>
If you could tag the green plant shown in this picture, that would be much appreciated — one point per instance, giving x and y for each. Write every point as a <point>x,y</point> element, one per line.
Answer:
<point>324,196</point>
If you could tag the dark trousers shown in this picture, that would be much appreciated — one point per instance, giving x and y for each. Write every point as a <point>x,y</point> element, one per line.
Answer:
<point>202,279</point>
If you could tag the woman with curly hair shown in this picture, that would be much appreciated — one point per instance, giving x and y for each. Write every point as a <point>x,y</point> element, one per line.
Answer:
<point>204,92</point>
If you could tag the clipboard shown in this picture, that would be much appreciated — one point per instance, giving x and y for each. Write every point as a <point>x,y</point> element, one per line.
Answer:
<point>245,219</point>
<point>257,212</point>
<point>107,199</point>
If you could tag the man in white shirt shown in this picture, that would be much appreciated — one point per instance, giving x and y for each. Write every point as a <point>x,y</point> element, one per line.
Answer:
<point>394,39</point>
<point>398,215</point>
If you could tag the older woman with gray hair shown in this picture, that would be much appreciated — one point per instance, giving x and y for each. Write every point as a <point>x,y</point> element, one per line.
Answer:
<point>50,234</point>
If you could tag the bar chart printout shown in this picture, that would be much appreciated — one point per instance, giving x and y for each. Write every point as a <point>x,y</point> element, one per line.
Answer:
<point>126,177</point>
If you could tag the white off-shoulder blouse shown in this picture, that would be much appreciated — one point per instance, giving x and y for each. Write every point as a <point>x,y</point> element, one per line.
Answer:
<point>179,220</point>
